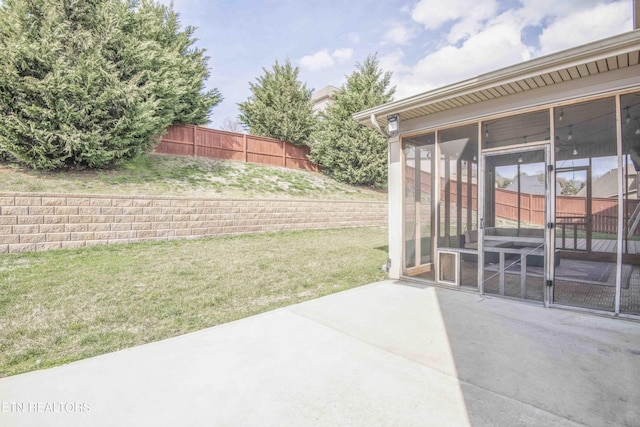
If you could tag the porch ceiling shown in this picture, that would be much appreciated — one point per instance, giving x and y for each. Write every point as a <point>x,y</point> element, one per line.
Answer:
<point>600,57</point>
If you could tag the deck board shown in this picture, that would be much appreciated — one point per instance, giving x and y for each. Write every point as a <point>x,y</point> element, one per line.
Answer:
<point>600,245</point>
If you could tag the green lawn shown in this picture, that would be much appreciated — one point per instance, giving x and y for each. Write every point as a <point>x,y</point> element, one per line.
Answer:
<point>65,305</point>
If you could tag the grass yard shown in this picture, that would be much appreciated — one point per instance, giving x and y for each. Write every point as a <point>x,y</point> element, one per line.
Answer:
<point>61,306</point>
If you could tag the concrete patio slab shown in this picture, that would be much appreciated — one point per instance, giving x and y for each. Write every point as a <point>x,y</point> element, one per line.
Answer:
<point>388,353</point>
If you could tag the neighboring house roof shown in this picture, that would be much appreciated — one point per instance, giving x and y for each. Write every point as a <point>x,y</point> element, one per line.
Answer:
<point>530,184</point>
<point>599,57</point>
<point>321,99</point>
<point>607,185</point>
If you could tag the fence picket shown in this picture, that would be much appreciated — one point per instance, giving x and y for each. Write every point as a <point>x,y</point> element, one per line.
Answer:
<point>198,141</point>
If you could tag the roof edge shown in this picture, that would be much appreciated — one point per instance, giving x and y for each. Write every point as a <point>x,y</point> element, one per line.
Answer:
<point>548,63</point>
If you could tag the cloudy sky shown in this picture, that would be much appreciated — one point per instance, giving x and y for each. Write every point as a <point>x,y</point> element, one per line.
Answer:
<point>425,43</point>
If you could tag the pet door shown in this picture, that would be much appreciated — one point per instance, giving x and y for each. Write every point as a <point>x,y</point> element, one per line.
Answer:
<point>449,267</point>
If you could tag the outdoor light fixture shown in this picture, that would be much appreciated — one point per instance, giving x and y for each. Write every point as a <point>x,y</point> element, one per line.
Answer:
<point>627,118</point>
<point>561,115</point>
<point>575,151</point>
<point>524,139</point>
<point>570,136</point>
<point>486,131</point>
<point>520,159</point>
<point>392,124</point>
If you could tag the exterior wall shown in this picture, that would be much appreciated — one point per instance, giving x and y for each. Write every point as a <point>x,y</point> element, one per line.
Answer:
<point>34,222</point>
<point>321,99</point>
<point>396,203</point>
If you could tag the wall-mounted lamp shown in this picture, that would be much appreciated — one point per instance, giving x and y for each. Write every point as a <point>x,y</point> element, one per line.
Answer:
<point>393,123</point>
<point>561,116</point>
<point>627,118</point>
<point>570,136</point>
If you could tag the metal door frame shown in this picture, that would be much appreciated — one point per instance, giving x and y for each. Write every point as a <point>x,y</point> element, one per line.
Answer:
<point>549,250</point>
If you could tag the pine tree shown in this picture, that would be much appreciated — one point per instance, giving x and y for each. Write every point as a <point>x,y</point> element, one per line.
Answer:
<point>85,83</point>
<point>280,106</point>
<point>178,70</point>
<point>347,151</point>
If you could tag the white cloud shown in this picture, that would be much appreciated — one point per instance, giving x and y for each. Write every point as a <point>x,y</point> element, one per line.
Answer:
<point>323,59</point>
<point>393,62</point>
<point>495,47</point>
<point>433,14</point>
<point>342,54</point>
<point>478,40</point>
<point>537,10</point>
<point>317,61</point>
<point>585,26</point>
<point>398,34</point>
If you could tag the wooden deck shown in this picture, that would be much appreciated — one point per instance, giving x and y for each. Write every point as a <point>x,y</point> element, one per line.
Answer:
<point>600,245</point>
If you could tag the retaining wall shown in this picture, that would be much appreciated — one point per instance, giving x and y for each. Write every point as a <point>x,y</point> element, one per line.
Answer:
<point>39,221</point>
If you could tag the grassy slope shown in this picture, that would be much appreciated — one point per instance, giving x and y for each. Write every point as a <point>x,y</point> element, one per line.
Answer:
<point>182,176</point>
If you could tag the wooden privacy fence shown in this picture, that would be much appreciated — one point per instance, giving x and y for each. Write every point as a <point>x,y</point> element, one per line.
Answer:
<point>532,206</point>
<point>569,209</point>
<point>198,141</point>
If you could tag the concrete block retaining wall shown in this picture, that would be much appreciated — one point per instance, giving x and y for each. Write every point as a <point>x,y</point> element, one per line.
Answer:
<point>39,221</point>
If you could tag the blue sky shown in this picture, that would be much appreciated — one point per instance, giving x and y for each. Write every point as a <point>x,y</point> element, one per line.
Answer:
<point>425,43</point>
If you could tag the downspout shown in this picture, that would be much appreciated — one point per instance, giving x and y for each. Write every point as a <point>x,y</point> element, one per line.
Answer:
<point>376,126</point>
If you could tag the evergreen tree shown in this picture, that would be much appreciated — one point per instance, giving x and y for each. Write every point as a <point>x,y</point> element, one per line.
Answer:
<point>178,71</point>
<point>347,151</point>
<point>280,106</point>
<point>84,83</point>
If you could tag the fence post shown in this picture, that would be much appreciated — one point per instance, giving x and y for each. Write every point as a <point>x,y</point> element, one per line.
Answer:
<point>245,149</point>
<point>284,154</point>
<point>194,142</point>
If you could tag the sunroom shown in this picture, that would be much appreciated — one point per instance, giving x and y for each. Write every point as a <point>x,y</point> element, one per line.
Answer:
<point>523,182</point>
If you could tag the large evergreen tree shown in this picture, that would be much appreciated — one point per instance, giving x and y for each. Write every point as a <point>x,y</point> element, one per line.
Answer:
<point>178,70</point>
<point>84,83</point>
<point>280,106</point>
<point>347,151</point>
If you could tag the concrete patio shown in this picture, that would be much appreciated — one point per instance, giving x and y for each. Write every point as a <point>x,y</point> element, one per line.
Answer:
<point>389,353</point>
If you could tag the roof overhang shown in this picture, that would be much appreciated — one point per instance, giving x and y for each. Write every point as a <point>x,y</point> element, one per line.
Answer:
<point>595,58</point>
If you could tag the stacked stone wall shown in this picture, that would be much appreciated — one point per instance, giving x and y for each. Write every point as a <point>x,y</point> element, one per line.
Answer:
<point>36,222</point>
